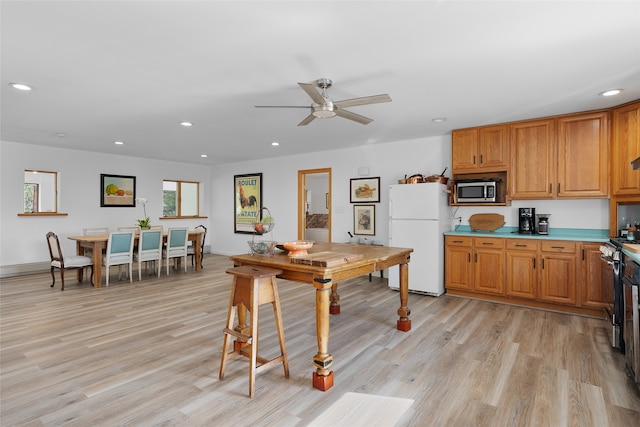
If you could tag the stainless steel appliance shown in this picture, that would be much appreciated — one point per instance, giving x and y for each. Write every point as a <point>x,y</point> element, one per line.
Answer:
<point>631,319</point>
<point>543,223</point>
<point>527,220</point>
<point>611,255</point>
<point>476,190</point>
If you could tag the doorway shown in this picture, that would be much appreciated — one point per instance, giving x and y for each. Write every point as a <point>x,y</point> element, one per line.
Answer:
<point>314,205</point>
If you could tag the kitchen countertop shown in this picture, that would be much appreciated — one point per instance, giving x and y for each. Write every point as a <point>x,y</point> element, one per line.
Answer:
<point>634,256</point>
<point>577,234</point>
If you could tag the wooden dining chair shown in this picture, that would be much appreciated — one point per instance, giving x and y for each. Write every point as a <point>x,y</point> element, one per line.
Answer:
<point>191,250</point>
<point>60,262</point>
<point>119,252</point>
<point>177,246</point>
<point>149,249</point>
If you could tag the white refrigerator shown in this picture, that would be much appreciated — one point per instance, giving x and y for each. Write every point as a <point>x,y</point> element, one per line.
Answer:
<point>418,217</point>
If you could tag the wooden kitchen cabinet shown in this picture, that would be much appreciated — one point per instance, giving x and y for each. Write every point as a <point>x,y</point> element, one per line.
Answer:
<point>522,272</point>
<point>482,149</point>
<point>558,272</point>
<point>532,145</point>
<point>458,273</point>
<point>583,155</point>
<point>625,141</point>
<point>553,274</point>
<point>561,157</point>
<point>488,268</point>
<point>592,276</point>
<point>474,264</point>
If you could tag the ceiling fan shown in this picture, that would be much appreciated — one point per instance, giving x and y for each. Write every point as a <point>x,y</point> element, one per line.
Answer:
<point>323,107</point>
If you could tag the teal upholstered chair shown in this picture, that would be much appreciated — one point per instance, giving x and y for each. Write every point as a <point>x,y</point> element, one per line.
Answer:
<point>177,246</point>
<point>119,252</point>
<point>149,249</point>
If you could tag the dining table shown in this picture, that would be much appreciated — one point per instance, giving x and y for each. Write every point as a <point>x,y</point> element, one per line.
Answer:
<point>98,242</point>
<point>342,261</point>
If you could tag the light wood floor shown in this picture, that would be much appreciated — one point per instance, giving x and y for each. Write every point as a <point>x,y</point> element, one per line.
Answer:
<point>148,353</point>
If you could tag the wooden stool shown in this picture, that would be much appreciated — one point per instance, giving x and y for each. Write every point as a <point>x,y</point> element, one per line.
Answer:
<point>252,286</point>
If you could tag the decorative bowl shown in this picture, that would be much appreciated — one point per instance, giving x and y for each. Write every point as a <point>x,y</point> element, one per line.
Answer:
<point>263,227</point>
<point>261,247</point>
<point>297,247</point>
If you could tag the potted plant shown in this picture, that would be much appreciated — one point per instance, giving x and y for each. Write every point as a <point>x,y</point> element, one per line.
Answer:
<point>146,222</point>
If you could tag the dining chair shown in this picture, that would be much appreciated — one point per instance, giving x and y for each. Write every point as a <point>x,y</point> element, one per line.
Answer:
<point>156,227</point>
<point>93,232</point>
<point>119,252</point>
<point>62,263</point>
<point>149,249</point>
<point>135,229</point>
<point>177,245</point>
<point>191,250</point>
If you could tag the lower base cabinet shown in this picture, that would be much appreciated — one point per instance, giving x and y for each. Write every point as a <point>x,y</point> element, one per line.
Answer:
<point>522,260</point>
<point>554,274</point>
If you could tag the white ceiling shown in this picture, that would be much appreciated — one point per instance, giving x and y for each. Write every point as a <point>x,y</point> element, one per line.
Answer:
<point>132,70</point>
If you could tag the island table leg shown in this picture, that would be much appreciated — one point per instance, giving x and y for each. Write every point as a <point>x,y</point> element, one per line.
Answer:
<point>404,323</point>
<point>323,377</point>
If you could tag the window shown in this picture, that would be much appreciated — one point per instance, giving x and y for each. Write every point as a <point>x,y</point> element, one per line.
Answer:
<point>40,192</point>
<point>180,199</point>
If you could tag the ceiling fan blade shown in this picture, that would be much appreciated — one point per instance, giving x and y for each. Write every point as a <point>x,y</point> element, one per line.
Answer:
<point>353,116</point>
<point>307,120</point>
<point>374,99</point>
<point>313,93</point>
<point>281,106</point>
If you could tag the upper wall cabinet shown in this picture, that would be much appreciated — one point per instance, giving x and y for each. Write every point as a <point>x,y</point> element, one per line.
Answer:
<point>483,149</point>
<point>562,157</point>
<point>583,155</point>
<point>625,139</point>
<point>532,159</point>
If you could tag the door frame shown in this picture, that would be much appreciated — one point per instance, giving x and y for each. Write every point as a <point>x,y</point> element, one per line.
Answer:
<point>302,180</point>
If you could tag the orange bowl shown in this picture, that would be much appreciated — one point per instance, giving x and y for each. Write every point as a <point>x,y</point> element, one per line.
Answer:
<point>297,247</point>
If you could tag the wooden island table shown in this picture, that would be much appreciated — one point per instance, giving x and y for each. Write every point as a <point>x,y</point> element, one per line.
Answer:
<point>98,242</point>
<point>325,279</point>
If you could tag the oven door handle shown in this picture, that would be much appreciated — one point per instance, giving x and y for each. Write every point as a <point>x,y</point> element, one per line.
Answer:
<point>606,259</point>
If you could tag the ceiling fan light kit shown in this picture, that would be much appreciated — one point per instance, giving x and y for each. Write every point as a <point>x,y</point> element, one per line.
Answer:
<point>324,108</point>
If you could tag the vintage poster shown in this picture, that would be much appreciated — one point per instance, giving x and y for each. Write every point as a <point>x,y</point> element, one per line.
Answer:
<point>248,201</point>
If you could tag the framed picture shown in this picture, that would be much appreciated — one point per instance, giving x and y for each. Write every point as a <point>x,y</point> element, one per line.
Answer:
<point>247,190</point>
<point>365,190</point>
<point>117,191</point>
<point>364,219</point>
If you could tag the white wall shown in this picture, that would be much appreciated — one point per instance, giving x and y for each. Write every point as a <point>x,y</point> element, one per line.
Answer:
<point>388,161</point>
<point>23,238</point>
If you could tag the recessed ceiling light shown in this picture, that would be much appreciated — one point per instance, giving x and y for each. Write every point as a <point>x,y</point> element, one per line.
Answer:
<point>439,119</point>
<point>203,155</point>
<point>61,134</point>
<point>20,86</point>
<point>186,124</point>
<point>118,142</point>
<point>610,92</point>
<point>275,144</point>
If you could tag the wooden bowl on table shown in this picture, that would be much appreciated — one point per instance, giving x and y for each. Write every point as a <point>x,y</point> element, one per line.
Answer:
<point>297,247</point>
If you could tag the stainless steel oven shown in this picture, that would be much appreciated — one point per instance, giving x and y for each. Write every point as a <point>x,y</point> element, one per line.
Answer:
<point>631,319</point>
<point>611,255</point>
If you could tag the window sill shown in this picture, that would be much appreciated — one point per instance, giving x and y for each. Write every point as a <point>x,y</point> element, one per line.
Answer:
<point>43,214</point>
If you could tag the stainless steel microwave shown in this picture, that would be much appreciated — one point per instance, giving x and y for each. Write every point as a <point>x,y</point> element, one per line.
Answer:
<point>476,191</point>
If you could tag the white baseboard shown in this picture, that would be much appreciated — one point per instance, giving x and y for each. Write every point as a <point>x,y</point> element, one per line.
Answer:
<point>23,269</point>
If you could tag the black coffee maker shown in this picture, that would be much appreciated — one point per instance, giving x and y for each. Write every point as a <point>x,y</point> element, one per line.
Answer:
<point>527,220</point>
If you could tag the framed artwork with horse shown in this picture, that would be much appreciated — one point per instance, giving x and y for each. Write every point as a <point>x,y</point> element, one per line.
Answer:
<point>247,190</point>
